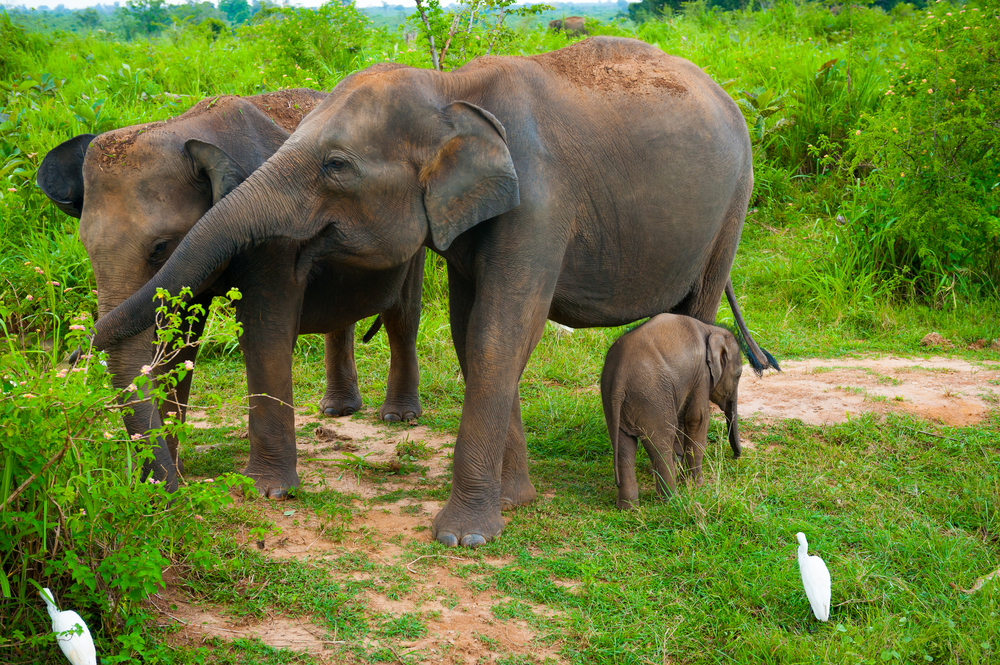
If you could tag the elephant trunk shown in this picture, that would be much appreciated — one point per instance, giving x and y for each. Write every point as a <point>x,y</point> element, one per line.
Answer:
<point>126,360</point>
<point>250,214</point>
<point>733,423</point>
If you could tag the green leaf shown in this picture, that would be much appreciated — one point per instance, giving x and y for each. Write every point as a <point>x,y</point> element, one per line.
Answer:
<point>85,112</point>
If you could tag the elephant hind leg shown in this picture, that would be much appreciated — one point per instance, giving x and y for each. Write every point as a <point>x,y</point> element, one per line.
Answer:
<point>402,324</point>
<point>342,397</point>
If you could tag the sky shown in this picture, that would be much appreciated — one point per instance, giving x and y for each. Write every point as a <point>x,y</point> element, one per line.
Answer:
<point>80,4</point>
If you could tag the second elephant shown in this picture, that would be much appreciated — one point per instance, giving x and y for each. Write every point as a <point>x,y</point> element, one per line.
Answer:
<point>138,191</point>
<point>571,25</point>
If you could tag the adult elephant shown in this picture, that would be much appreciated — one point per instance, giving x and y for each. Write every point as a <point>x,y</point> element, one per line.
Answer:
<point>138,191</point>
<point>572,25</point>
<point>594,185</point>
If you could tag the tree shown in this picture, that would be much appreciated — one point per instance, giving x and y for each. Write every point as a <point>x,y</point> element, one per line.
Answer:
<point>144,17</point>
<point>236,11</point>
<point>88,18</point>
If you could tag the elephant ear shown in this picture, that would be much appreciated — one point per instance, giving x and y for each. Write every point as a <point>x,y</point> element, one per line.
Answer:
<point>718,356</point>
<point>471,178</point>
<point>60,175</point>
<point>212,162</point>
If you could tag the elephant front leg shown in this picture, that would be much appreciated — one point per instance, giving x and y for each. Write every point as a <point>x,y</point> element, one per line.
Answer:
<point>494,333</point>
<point>342,397</point>
<point>267,343</point>
<point>696,421</point>
<point>661,456</point>
<point>402,323</point>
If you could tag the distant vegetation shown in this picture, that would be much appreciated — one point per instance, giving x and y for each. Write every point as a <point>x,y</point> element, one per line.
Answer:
<point>876,135</point>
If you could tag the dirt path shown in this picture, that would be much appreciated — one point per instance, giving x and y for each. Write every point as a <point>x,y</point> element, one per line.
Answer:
<point>945,391</point>
<point>444,591</point>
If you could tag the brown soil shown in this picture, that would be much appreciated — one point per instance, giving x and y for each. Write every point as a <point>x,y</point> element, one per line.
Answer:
<point>613,67</point>
<point>287,107</point>
<point>461,627</point>
<point>820,392</point>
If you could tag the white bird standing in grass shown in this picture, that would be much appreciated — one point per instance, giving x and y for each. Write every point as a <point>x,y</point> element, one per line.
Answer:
<point>78,647</point>
<point>815,578</point>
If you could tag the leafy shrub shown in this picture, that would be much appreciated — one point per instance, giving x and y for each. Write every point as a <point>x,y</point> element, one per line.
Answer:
<point>75,514</point>
<point>310,46</point>
<point>927,187</point>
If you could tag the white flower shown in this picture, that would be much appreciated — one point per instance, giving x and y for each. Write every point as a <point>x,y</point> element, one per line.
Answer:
<point>136,436</point>
<point>188,364</point>
<point>131,388</point>
<point>146,369</point>
<point>77,327</point>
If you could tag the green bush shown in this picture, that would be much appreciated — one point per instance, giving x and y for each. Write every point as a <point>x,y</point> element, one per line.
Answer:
<point>75,514</point>
<point>924,177</point>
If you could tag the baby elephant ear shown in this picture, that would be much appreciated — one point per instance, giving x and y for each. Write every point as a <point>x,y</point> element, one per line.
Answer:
<point>215,164</point>
<point>718,356</point>
<point>60,175</point>
<point>471,178</point>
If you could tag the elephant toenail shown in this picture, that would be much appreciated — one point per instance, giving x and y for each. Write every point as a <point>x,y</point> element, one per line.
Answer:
<point>390,418</point>
<point>332,412</point>
<point>409,415</point>
<point>472,540</point>
<point>277,494</point>
<point>447,539</point>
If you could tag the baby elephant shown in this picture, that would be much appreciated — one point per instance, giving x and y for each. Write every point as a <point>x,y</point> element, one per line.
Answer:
<point>656,384</point>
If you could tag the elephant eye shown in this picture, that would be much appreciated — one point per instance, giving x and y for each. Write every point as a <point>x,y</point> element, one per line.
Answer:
<point>158,250</point>
<point>335,164</point>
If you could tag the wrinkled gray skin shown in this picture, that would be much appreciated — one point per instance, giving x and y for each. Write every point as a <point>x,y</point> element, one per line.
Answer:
<point>655,387</point>
<point>573,25</point>
<point>139,190</point>
<point>486,166</point>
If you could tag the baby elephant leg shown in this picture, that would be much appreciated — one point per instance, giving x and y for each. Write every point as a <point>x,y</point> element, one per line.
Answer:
<point>695,435</point>
<point>628,490</point>
<point>660,448</point>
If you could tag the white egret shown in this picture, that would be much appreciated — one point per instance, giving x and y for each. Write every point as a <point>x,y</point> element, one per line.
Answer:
<point>815,578</point>
<point>77,646</point>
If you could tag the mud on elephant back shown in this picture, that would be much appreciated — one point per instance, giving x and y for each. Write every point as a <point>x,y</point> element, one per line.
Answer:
<point>139,190</point>
<point>482,165</point>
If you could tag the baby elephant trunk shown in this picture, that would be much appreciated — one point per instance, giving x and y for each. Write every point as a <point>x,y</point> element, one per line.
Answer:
<point>733,423</point>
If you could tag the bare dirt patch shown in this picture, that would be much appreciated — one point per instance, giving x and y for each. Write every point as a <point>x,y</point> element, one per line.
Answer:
<point>195,623</point>
<point>947,391</point>
<point>455,606</point>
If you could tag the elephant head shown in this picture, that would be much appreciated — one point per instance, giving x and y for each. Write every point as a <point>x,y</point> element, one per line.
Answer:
<point>137,192</point>
<point>725,365</point>
<point>387,164</point>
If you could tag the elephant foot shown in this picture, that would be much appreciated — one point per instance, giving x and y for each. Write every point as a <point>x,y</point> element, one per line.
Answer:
<point>274,486</point>
<point>400,409</point>
<point>516,492</point>
<point>627,504</point>
<point>454,526</point>
<point>336,405</point>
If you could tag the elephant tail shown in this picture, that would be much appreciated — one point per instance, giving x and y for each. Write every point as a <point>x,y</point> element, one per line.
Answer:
<point>373,330</point>
<point>759,358</point>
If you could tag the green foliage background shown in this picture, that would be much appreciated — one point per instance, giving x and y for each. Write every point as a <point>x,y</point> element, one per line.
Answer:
<point>877,183</point>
